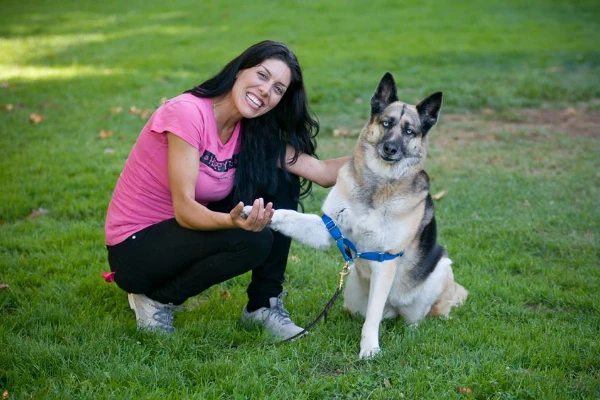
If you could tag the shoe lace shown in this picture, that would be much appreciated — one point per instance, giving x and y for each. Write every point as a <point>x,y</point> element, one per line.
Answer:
<point>279,312</point>
<point>164,315</point>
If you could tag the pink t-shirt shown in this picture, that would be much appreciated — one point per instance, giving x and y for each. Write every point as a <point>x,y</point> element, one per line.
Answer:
<point>142,196</point>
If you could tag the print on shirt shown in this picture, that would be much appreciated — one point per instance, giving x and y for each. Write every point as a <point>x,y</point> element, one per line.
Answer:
<point>210,160</point>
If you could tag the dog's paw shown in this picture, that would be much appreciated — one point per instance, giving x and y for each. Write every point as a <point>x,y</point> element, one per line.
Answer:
<point>367,354</point>
<point>281,221</point>
<point>246,211</point>
<point>369,348</point>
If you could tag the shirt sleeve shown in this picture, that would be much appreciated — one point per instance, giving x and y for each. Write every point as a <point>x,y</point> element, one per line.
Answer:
<point>182,118</point>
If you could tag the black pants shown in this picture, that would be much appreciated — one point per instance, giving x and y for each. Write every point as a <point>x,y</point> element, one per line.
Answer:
<point>169,263</point>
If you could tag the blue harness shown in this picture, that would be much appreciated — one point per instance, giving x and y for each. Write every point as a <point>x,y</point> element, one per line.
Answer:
<point>348,249</point>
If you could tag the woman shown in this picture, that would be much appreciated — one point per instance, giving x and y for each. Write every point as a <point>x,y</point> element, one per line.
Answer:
<point>175,227</point>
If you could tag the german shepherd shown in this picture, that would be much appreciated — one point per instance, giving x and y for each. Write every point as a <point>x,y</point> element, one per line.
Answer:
<point>381,202</point>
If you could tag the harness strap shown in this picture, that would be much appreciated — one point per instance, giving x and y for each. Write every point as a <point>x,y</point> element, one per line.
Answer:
<point>348,249</point>
<point>374,256</point>
<point>345,245</point>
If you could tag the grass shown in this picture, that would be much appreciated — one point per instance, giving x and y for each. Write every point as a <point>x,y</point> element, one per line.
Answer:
<point>520,218</point>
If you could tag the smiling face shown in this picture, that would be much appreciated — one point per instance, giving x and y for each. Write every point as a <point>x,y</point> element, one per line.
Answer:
<point>257,90</point>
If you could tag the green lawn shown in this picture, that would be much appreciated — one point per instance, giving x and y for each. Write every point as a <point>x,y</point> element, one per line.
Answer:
<point>520,218</point>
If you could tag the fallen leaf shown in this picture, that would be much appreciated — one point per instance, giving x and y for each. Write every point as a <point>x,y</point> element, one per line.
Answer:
<point>224,294</point>
<point>295,258</point>
<point>145,114</point>
<point>48,104</point>
<point>38,212</point>
<point>5,395</point>
<point>196,301</point>
<point>135,110</point>
<point>36,118</point>
<point>570,112</point>
<point>104,133</point>
<point>8,107</point>
<point>4,286</point>
<point>386,383</point>
<point>116,110</point>
<point>343,132</point>
<point>4,85</point>
<point>339,371</point>
<point>163,100</point>
<point>109,151</point>
<point>439,195</point>
<point>464,390</point>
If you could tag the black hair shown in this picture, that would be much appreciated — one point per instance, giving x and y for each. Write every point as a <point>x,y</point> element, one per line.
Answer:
<point>264,138</point>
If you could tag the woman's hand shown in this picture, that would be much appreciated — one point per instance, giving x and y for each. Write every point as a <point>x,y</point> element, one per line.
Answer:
<point>257,220</point>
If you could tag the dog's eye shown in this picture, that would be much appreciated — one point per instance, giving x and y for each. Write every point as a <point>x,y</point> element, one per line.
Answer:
<point>386,123</point>
<point>409,131</point>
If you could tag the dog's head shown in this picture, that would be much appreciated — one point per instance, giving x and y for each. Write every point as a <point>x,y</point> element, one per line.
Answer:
<point>395,139</point>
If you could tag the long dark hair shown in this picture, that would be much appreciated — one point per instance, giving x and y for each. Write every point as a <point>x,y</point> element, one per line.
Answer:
<point>264,137</point>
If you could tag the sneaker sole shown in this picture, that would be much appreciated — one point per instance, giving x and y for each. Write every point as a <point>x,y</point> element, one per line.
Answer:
<point>300,336</point>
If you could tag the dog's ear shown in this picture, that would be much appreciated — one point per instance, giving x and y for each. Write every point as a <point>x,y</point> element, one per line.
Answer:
<point>385,94</point>
<point>429,110</point>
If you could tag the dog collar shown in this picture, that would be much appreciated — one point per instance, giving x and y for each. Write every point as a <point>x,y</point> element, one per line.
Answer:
<point>348,249</point>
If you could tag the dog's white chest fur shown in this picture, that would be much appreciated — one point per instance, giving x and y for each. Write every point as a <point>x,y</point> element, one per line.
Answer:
<point>388,226</point>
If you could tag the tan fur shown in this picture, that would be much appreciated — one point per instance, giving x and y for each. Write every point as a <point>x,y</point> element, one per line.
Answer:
<point>452,295</point>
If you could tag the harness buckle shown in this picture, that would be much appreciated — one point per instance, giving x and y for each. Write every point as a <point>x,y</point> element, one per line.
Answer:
<point>330,225</point>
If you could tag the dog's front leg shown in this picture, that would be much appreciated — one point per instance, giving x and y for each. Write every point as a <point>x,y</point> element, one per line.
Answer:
<point>306,228</point>
<point>382,278</point>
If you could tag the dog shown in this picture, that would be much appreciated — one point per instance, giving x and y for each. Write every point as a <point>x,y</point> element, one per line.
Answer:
<point>381,203</point>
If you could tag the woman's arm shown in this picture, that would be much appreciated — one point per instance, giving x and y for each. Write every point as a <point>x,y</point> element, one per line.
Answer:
<point>322,172</point>
<point>183,165</point>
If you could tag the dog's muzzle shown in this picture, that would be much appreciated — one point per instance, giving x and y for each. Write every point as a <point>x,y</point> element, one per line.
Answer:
<point>389,151</point>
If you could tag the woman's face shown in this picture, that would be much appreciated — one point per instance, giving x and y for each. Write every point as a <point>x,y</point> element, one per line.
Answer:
<point>259,89</point>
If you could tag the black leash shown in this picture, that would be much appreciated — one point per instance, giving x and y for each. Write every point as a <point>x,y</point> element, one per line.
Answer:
<point>323,316</point>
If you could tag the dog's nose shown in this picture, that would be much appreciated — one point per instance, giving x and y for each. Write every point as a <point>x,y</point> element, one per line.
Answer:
<point>390,148</point>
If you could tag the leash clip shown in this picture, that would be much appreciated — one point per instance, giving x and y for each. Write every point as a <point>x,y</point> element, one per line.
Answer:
<point>343,273</point>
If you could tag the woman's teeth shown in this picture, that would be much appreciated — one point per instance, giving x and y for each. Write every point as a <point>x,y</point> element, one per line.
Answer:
<point>254,100</point>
